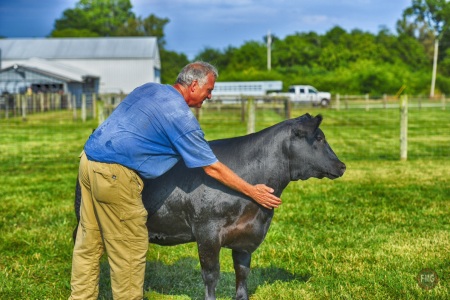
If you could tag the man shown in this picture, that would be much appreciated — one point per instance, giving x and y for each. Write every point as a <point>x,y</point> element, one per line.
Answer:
<point>151,130</point>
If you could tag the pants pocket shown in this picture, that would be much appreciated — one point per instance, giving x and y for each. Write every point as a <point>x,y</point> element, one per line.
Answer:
<point>104,186</point>
<point>133,214</point>
<point>136,184</point>
<point>134,224</point>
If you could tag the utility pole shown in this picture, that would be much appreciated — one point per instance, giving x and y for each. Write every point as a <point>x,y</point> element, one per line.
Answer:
<point>269,52</point>
<point>433,77</point>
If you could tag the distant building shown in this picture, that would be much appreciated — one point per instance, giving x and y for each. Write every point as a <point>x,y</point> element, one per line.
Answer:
<point>78,65</point>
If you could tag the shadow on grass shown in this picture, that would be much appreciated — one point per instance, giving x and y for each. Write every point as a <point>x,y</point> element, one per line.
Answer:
<point>184,279</point>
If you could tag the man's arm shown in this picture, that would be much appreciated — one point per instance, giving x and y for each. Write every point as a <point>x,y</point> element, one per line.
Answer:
<point>258,192</point>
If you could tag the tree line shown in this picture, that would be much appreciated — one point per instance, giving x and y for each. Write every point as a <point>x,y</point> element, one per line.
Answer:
<point>340,61</point>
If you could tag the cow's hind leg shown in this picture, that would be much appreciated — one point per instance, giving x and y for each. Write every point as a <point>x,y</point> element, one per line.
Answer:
<point>241,262</point>
<point>209,261</point>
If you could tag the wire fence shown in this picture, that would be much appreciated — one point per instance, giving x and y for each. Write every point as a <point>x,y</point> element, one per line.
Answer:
<point>93,105</point>
<point>83,106</point>
<point>411,127</point>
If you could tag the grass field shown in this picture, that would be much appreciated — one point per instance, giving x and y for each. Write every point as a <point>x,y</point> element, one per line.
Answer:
<point>366,235</point>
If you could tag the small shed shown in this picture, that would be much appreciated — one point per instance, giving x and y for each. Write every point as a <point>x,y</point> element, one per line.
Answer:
<point>42,76</point>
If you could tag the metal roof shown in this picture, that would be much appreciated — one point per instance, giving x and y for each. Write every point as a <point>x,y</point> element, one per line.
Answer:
<point>16,78</point>
<point>89,48</point>
<point>67,73</point>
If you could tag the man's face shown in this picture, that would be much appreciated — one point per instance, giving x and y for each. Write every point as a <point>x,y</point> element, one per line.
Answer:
<point>198,93</point>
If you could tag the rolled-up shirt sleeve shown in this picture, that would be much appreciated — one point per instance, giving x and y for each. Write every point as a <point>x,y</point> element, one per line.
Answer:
<point>195,150</point>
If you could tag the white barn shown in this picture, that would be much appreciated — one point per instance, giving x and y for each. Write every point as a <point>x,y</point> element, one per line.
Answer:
<point>120,63</point>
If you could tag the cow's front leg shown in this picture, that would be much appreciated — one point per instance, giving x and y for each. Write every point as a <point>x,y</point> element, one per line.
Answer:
<point>208,253</point>
<point>241,262</point>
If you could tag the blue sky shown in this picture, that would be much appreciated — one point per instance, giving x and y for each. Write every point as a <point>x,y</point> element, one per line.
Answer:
<point>196,24</point>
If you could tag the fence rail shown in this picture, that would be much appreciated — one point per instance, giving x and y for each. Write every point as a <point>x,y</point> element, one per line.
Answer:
<point>386,101</point>
<point>100,106</point>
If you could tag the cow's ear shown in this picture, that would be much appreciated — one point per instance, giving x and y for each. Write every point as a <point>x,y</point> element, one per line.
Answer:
<point>317,121</point>
<point>307,126</point>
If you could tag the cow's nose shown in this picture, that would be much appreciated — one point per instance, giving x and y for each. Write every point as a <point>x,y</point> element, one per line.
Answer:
<point>343,168</point>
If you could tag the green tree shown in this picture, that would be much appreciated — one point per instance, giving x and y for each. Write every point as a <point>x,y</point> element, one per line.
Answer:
<point>251,55</point>
<point>446,65</point>
<point>150,26</point>
<point>419,34</point>
<point>171,64</point>
<point>214,56</point>
<point>301,49</point>
<point>436,14</point>
<point>101,17</point>
<point>335,52</point>
<point>70,32</point>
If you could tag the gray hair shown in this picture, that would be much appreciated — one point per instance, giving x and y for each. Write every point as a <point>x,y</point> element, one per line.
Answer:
<point>199,71</point>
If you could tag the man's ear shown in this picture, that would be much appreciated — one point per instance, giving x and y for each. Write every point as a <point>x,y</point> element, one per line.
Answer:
<point>194,86</point>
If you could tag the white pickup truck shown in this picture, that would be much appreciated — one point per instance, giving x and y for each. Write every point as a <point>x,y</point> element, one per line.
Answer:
<point>307,93</point>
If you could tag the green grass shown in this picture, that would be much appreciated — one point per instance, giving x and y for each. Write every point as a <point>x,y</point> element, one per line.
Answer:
<point>366,235</point>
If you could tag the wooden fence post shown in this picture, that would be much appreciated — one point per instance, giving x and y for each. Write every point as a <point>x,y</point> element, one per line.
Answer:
<point>83,107</point>
<point>7,107</point>
<point>287,108</point>
<point>94,106</point>
<point>17,105</point>
<point>404,127</point>
<point>69,101</point>
<point>24,99</point>
<point>58,101</point>
<point>74,106</point>
<point>33,97</point>
<point>41,101</point>
<point>51,102</point>
<point>242,109</point>
<point>251,115</point>
<point>197,113</point>
<point>219,105</point>
<point>443,101</point>
<point>367,102</point>
<point>338,102</point>
<point>101,112</point>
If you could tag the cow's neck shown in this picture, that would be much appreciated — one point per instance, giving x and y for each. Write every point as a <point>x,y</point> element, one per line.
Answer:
<point>262,157</point>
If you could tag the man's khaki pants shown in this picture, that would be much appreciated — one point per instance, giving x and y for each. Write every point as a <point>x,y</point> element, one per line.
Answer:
<point>113,218</point>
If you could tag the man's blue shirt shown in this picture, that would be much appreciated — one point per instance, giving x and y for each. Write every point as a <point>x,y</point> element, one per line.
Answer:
<point>149,132</point>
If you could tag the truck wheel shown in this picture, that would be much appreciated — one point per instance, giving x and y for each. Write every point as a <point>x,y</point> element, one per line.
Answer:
<point>324,102</point>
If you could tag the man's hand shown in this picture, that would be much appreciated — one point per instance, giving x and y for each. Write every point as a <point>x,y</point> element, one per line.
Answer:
<point>264,196</point>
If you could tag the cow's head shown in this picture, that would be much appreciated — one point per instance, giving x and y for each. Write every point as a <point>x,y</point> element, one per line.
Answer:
<point>309,153</point>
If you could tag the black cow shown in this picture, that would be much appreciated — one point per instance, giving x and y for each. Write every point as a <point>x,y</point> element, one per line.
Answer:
<point>186,205</point>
